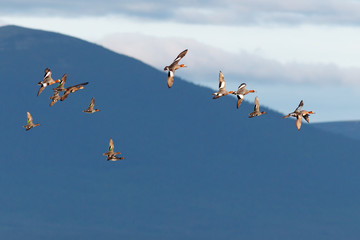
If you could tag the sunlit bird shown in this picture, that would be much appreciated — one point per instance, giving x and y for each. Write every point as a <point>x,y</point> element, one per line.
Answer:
<point>72,89</point>
<point>91,109</point>
<point>47,81</point>
<point>111,155</point>
<point>61,85</point>
<point>256,111</point>
<point>54,98</point>
<point>30,123</point>
<point>222,90</point>
<point>299,114</point>
<point>174,66</point>
<point>240,93</point>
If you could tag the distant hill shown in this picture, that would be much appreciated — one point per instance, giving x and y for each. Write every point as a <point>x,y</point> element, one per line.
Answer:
<point>349,129</point>
<point>195,168</point>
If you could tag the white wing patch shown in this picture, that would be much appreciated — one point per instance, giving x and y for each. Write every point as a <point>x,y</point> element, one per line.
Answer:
<point>47,74</point>
<point>242,85</point>
<point>171,73</point>
<point>222,85</point>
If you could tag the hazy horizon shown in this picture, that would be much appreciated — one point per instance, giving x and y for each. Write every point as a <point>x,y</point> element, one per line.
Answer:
<point>286,52</point>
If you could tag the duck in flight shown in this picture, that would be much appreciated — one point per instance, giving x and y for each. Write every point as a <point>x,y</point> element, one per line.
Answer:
<point>240,93</point>
<point>174,66</point>
<point>111,155</point>
<point>30,123</point>
<point>47,81</point>
<point>91,109</point>
<point>72,89</point>
<point>61,85</point>
<point>222,90</point>
<point>256,111</point>
<point>299,114</point>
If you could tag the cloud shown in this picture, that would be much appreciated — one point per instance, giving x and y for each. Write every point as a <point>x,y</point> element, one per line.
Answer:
<point>226,12</point>
<point>204,62</point>
<point>3,23</point>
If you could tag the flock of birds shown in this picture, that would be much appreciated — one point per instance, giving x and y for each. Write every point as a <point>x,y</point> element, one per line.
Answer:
<point>298,113</point>
<point>241,92</point>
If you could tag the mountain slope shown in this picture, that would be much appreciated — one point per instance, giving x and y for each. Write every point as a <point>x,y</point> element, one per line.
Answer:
<point>349,129</point>
<point>195,168</point>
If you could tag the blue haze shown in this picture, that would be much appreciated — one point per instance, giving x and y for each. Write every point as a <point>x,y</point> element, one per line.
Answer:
<point>195,168</point>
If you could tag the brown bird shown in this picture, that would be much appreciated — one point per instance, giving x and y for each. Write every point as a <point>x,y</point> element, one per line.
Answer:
<point>91,109</point>
<point>47,81</point>
<point>54,98</point>
<point>222,90</point>
<point>72,89</point>
<point>30,123</point>
<point>60,87</point>
<point>174,66</point>
<point>240,93</point>
<point>256,111</point>
<point>111,155</point>
<point>299,114</point>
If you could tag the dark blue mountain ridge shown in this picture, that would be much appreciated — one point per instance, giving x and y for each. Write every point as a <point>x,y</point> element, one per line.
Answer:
<point>195,168</point>
<point>349,129</point>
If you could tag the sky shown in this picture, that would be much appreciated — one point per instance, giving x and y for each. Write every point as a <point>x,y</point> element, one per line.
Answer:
<point>286,51</point>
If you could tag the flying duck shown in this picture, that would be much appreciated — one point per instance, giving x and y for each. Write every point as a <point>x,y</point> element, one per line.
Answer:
<point>222,91</point>
<point>47,81</point>
<point>60,87</point>
<point>299,114</point>
<point>111,155</point>
<point>91,109</point>
<point>55,97</point>
<point>174,66</point>
<point>30,123</point>
<point>256,111</point>
<point>240,93</point>
<point>72,89</point>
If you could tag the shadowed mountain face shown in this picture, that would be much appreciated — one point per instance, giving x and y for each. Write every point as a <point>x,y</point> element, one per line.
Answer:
<point>195,168</point>
<point>349,129</point>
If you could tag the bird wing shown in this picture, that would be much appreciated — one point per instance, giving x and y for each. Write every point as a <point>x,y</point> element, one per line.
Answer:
<point>170,79</point>
<point>80,84</point>
<point>256,106</point>
<point>298,121</point>
<point>111,145</point>
<point>301,104</point>
<point>287,115</point>
<point>65,95</point>
<point>52,102</point>
<point>307,117</point>
<point>55,95</point>
<point>92,103</point>
<point>239,101</point>
<point>221,81</point>
<point>40,90</point>
<point>47,73</point>
<point>47,76</point>
<point>29,117</point>
<point>63,80</point>
<point>243,85</point>
<point>180,56</point>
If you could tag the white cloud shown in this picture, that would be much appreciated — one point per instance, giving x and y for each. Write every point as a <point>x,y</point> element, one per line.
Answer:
<point>323,86</point>
<point>205,61</point>
<point>3,23</point>
<point>226,12</point>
